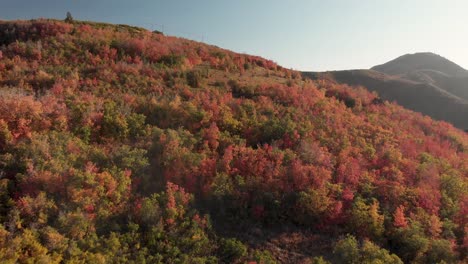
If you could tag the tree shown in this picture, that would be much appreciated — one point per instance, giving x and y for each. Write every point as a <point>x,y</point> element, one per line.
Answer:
<point>69,18</point>
<point>371,253</point>
<point>318,260</point>
<point>312,206</point>
<point>347,250</point>
<point>5,134</point>
<point>399,219</point>
<point>366,220</point>
<point>410,243</point>
<point>25,248</point>
<point>263,257</point>
<point>232,250</point>
<point>440,252</point>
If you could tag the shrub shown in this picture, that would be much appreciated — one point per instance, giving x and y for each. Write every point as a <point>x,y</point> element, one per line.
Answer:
<point>194,79</point>
<point>264,257</point>
<point>232,250</point>
<point>171,60</point>
<point>241,91</point>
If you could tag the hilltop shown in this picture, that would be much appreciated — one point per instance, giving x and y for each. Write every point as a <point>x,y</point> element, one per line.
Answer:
<point>423,61</point>
<point>120,145</point>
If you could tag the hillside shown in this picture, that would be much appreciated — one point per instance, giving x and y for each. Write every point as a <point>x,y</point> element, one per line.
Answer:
<point>430,69</point>
<point>423,82</point>
<point>120,145</point>
<point>425,96</point>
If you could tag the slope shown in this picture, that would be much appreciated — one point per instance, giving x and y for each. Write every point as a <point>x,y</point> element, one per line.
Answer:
<point>433,94</point>
<point>457,86</point>
<point>431,69</point>
<point>119,145</point>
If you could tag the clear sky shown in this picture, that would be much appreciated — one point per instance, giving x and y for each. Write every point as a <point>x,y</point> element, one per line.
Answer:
<point>299,34</point>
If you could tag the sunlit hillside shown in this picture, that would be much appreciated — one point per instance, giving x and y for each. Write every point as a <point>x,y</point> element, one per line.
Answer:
<point>120,145</point>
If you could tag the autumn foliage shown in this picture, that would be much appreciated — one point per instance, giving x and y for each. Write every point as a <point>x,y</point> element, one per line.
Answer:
<point>117,139</point>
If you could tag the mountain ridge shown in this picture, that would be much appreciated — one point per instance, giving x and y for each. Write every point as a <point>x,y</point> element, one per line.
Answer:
<point>421,61</point>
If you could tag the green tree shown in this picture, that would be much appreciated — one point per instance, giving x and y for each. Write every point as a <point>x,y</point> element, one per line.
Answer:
<point>114,124</point>
<point>410,243</point>
<point>373,254</point>
<point>440,252</point>
<point>263,257</point>
<point>366,220</point>
<point>232,250</point>
<point>347,250</point>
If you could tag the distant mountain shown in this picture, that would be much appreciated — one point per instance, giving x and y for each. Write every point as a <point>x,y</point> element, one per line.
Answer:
<point>423,61</point>
<point>423,82</point>
<point>429,68</point>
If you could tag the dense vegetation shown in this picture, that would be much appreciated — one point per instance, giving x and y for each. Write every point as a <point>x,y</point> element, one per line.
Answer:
<point>119,145</point>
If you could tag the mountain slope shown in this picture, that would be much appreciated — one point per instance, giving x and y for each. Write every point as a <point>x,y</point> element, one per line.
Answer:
<point>431,69</point>
<point>121,145</point>
<point>423,82</point>
<point>457,86</point>
<point>447,104</point>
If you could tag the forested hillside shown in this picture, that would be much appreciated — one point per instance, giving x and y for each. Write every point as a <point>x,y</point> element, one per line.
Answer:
<point>120,145</point>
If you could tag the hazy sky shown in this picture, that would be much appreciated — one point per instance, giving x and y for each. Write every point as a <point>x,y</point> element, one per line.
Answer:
<point>298,34</point>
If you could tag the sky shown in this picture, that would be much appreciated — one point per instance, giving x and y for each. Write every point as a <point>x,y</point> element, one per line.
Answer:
<point>307,35</point>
